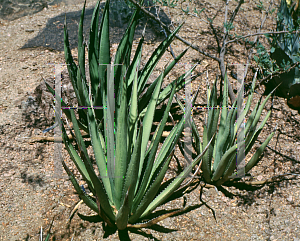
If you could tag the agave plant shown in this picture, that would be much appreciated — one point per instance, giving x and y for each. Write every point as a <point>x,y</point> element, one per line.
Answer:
<point>219,162</point>
<point>99,59</point>
<point>126,179</point>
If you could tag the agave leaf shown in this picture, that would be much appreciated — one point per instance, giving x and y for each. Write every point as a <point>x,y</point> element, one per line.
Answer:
<point>224,138</point>
<point>87,200</point>
<point>155,57</point>
<point>121,146</point>
<point>81,98</point>
<point>123,214</point>
<point>147,122</point>
<point>151,157</point>
<point>224,110</point>
<point>232,138</point>
<point>258,114</point>
<point>109,130</point>
<point>241,117</point>
<point>170,189</point>
<point>167,148</point>
<point>251,118</point>
<point>101,163</point>
<point>93,52</point>
<point>132,72</point>
<point>213,119</point>
<point>223,163</point>
<point>104,46</point>
<point>146,97</point>
<point>131,178</point>
<point>122,56</point>
<point>151,192</point>
<point>98,186</point>
<point>104,69</point>
<point>195,132</point>
<point>250,140</point>
<point>223,127</point>
<point>211,124</point>
<point>72,68</point>
<point>81,65</point>
<point>165,93</point>
<point>206,163</point>
<point>81,47</point>
<point>196,135</point>
<point>133,114</point>
<point>66,111</point>
<point>194,128</point>
<point>250,97</point>
<point>76,159</point>
<point>97,148</point>
<point>169,142</point>
<point>101,85</point>
<point>253,160</point>
<point>231,165</point>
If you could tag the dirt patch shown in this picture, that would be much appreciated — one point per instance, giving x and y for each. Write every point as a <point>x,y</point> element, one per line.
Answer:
<point>31,195</point>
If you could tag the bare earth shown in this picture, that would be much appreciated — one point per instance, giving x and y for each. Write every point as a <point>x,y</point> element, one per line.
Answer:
<point>31,196</point>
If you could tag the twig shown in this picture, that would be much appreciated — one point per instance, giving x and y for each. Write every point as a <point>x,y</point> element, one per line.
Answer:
<point>223,49</point>
<point>269,180</point>
<point>260,33</point>
<point>169,31</point>
<point>281,71</point>
<point>256,39</point>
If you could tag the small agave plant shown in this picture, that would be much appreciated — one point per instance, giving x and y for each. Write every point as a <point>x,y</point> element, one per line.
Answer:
<point>126,179</point>
<point>219,162</point>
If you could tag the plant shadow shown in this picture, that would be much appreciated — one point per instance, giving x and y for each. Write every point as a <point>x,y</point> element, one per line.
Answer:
<point>52,36</point>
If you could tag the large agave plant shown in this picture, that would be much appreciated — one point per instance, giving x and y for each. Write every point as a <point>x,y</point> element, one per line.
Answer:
<point>219,162</point>
<point>126,179</point>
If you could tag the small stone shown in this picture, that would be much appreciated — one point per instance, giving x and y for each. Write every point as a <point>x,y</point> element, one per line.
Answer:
<point>61,208</point>
<point>290,198</point>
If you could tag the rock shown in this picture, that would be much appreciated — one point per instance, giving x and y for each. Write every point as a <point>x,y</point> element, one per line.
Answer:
<point>38,109</point>
<point>14,9</point>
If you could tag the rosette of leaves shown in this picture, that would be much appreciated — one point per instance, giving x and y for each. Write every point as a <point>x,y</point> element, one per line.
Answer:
<point>125,180</point>
<point>219,162</point>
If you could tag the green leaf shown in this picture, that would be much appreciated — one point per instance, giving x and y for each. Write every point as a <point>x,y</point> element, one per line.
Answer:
<point>166,92</point>
<point>223,127</point>
<point>123,214</point>
<point>174,185</point>
<point>81,47</point>
<point>121,146</point>
<point>122,56</point>
<point>147,122</point>
<point>260,150</point>
<point>223,163</point>
<point>272,50</point>
<point>87,200</point>
<point>93,52</point>
<point>206,163</point>
<point>131,178</point>
<point>155,57</point>
<point>150,157</point>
